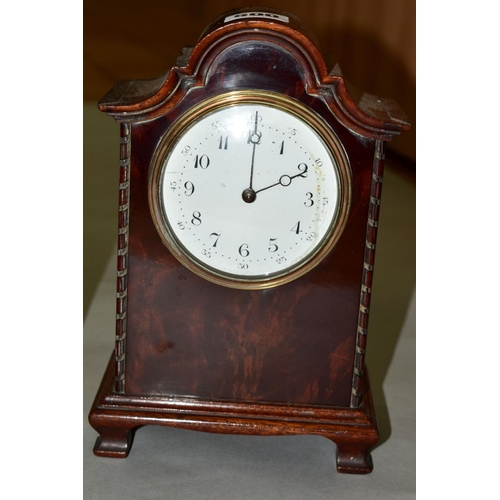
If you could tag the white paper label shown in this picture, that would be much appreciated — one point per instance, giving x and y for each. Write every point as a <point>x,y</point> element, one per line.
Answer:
<point>266,15</point>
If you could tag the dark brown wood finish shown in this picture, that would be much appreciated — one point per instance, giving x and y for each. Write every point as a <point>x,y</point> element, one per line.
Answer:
<point>284,360</point>
<point>116,416</point>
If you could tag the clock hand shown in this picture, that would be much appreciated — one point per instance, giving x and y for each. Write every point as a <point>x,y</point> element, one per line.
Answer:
<point>285,180</point>
<point>249,194</point>
<point>254,139</point>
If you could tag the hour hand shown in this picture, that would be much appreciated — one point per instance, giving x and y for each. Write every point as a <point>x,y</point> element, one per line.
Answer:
<point>286,180</point>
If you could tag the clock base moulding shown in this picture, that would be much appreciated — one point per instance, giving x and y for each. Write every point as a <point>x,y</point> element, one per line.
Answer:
<point>115,417</point>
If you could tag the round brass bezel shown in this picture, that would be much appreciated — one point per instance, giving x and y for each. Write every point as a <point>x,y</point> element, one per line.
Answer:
<point>279,101</point>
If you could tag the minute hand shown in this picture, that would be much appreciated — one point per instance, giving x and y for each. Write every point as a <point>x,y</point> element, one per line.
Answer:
<point>254,139</point>
<point>286,180</point>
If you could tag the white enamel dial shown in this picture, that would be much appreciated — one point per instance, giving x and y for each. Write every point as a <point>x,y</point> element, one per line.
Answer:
<point>249,192</point>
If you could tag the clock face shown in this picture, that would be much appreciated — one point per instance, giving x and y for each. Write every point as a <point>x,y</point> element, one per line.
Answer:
<point>249,193</point>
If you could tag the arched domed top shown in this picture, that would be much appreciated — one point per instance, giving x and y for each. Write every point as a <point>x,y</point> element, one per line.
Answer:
<point>247,48</point>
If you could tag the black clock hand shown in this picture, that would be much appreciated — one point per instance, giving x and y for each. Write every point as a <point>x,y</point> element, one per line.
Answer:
<point>286,180</point>
<point>254,139</point>
<point>249,194</point>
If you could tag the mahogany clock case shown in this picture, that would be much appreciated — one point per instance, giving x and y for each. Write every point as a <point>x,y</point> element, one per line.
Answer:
<point>284,360</point>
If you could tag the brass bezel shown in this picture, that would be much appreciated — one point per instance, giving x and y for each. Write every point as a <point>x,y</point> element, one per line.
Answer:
<point>279,101</point>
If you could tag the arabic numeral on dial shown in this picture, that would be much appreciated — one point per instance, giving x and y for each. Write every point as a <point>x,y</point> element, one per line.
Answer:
<point>311,236</point>
<point>309,202</point>
<point>256,117</point>
<point>272,246</point>
<point>202,161</point>
<point>217,236</point>
<point>243,250</point>
<point>181,225</point>
<point>173,185</point>
<point>223,142</point>
<point>196,220</point>
<point>189,186</point>
<point>186,150</point>
<point>254,137</point>
<point>280,260</point>
<point>242,266</point>
<point>303,169</point>
<point>296,228</point>
<point>206,253</point>
<point>318,163</point>
<point>325,201</point>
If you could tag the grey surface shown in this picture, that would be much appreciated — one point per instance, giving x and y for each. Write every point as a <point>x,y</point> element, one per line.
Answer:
<point>172,463</point>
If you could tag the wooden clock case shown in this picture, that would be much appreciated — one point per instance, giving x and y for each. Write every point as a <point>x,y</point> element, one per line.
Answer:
<point>279,361</point>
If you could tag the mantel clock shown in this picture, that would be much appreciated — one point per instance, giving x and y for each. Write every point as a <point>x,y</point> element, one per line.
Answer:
<point>249,196</point>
